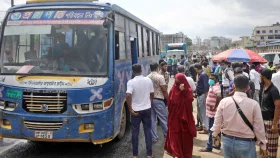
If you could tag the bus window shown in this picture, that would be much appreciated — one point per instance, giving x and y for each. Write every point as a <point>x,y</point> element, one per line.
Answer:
<point>119,46</point>
<point>148,42</point>
<point>56,49</point>
<point>139,36</point>
<point>157,44</point>
<point>152,43</point>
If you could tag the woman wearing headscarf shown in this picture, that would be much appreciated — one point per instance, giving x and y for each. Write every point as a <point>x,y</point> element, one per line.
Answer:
<point>181,123</point>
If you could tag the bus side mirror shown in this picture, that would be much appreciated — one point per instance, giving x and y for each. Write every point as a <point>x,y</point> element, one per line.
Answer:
<point>108,19</point>
<point>106,24</point>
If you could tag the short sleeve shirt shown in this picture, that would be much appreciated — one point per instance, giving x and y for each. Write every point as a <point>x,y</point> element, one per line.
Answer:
<point>269,95</point>
<point>211,99</point>
<point>140,88</point>
<point>158,81</point>
<point>166,76</point>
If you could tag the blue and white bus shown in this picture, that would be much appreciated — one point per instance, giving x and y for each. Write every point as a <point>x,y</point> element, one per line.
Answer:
<point>177,49</point>
<point>64,69</point>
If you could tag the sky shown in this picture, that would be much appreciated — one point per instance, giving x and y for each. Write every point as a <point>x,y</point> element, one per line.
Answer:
<point>202,18</point>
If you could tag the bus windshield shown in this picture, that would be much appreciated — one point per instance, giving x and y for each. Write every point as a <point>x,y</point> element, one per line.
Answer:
<point>60,45</point>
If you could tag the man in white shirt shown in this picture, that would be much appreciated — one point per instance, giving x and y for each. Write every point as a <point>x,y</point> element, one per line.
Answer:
<point>276,77</point>
<point>181,70</point>
<point>139,95</point>
<point>227,77</point>
<point>255,77</point>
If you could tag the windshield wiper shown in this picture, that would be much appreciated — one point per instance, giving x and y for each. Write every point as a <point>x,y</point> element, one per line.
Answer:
<point>23,76</point>
<point>34,74</point>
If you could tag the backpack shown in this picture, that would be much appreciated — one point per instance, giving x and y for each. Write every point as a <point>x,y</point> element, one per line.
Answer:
<point>226,73</point>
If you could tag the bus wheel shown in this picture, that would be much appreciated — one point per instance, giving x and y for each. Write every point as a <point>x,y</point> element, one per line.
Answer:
<point>123,124</point>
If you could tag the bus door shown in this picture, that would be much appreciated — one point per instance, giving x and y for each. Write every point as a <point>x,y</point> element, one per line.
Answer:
<point>134,53</point>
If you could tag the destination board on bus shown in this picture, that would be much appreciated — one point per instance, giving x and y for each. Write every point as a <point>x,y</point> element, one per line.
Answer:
<point>43,1</point>
<point>59,17</point>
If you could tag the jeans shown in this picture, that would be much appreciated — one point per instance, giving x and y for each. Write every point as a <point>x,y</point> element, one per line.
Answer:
<point>239,149</point>
<point>209,146</point>
<point>257,95</point>
<point>144,117</point>
<point>201,100</point>
<point>159,110</point>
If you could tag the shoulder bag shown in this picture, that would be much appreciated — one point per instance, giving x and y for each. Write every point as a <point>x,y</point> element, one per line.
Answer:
<point>244,118</point>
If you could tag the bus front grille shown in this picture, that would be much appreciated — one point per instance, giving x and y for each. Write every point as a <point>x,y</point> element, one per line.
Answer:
<point>45,102</point>
<point>49,126</point>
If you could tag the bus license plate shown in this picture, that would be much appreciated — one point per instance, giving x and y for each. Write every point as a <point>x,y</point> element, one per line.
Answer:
<point>44,134</point>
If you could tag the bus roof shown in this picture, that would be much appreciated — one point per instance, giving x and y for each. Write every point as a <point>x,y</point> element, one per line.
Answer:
<point>82,5</point>
<point>175,44</point>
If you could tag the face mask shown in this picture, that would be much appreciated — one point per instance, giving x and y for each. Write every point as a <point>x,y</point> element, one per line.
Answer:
<point>211,82</point>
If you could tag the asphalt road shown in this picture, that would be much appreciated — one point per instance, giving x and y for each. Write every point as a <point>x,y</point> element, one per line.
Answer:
<point>116,149</point>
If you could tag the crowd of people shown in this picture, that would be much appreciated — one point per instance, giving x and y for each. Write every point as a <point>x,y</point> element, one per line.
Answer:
<point>237,103</point>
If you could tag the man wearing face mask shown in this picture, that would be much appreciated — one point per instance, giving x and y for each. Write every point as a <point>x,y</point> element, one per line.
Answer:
<point>270,107</point>
<point>212,101</point>
<point>227,77</point>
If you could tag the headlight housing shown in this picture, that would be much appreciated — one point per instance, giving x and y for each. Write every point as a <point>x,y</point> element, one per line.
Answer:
<point>92,107</point>
<point>7,105</point>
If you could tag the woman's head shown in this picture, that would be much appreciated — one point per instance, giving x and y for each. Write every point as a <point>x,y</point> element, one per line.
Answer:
<point>179,79</point>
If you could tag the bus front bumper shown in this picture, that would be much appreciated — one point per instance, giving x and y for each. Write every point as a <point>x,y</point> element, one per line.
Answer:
<point>96,128</point>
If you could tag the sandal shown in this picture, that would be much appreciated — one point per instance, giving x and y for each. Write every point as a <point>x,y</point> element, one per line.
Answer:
<point>204,150</point>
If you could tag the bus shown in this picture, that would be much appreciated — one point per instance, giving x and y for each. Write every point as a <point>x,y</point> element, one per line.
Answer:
<point>64,70</point>
<point>177,49</point>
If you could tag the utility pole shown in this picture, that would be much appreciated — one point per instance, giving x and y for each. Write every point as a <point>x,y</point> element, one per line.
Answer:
<point>12,3</point>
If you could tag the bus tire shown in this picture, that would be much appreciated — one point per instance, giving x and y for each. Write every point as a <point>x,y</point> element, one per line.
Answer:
<point>123,124</point>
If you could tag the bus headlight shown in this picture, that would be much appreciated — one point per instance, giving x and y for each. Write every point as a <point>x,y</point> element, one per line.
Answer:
<point>93,107</point>
<point>97,106</point>
<point>7,105</point>
<point>2,104</point>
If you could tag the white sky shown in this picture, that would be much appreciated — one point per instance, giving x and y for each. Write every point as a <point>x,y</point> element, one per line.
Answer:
<point>203,18</point>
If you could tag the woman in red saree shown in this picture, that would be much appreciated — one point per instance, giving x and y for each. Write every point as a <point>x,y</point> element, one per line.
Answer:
<point>181,123</point>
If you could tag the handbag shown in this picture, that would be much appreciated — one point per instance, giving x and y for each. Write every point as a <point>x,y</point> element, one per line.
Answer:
<point>244,118</point>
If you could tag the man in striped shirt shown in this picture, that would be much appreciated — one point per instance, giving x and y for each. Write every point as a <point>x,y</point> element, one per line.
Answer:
<point>212,101</point>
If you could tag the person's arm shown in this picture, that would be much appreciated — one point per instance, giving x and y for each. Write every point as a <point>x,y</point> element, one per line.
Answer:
<point>218,99</point>
<point>218,120</point>
<point>163,87</point>
<point>151,91</point>
<point>276,99</point>
<point>231,75</point>
<point>129,91</point>
<point>258,127</point>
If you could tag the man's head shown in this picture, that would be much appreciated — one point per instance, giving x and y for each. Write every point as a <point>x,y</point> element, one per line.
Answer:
<point>181,69</point>
<point>266,76</point>
<point>205,63</point>
<point>154,66</point>
<point>228,64</point>
<point>174,56</point>
<point>223,64</point>
<point>195,61</point>
<point>238,71</point>
<point>163,66</point>
<point>214,77</point>
<point>182,56</point>
<point>241,83</point>
<point>277,68</point>
<point>136,69</point>
<point>253,67</point>
<point>270,64</point>
<point>215,63</point>
<point>198,68</point>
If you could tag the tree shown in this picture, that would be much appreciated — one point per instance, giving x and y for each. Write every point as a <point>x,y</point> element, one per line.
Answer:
<point>224,48</point>
<point>188,41</point>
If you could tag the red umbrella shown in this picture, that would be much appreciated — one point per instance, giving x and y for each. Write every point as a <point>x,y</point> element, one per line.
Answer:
<point>239,55</point>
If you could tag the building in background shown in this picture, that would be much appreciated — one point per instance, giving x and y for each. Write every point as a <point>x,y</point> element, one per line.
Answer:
<point>172,38</point>
<point>262,35</point>
<point>246,42</point>
<point>219,42</point>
